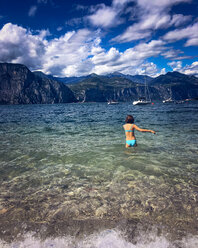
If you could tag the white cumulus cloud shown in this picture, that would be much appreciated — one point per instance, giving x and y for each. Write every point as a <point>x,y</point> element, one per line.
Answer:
<point>187,69</point>
<point>78,53</point>
<point>150,17</point>
<point>179,19</point>
<point>108,16</point>
<point>175,54</point>
<point>176,65</point>
<point>105,16</point>
<point>191,69</point>
<point>18,45</point>
<point>73,54</point>
<point>64,55</point>
<point>189,33</point>
<point>127,61</point>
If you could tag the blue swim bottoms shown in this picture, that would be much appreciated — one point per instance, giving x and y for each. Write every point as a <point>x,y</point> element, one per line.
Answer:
<point>131,142</point>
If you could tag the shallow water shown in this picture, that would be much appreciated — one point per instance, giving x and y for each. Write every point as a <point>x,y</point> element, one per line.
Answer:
<point>64,165</point>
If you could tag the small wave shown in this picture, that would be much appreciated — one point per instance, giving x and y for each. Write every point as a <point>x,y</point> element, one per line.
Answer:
<point>49,129</point>
<point>105,239</point>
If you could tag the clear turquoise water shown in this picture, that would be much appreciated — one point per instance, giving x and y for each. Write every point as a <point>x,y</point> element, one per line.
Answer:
<point>68,162</point>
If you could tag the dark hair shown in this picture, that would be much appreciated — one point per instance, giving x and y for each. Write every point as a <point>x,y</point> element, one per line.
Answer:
<point>129,119</point>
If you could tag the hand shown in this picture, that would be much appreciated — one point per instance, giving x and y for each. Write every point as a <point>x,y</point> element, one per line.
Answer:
<point>153,132</point>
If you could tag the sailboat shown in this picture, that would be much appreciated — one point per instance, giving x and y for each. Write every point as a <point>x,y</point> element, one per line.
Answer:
<point>141,101</point>
<point>144,100</point>
<point>170,99</point>
<point>111,101</point>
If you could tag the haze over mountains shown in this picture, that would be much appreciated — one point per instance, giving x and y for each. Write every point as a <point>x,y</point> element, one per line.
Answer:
<point>18,85</point>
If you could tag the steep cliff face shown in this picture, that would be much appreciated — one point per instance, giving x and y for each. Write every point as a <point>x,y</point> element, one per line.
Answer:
<point>176,85</point>
<point>117,93</point>
<point>18,85</point>
<point>100,89</point>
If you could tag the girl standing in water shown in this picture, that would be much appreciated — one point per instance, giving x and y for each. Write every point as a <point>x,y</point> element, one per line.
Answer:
<point>129,128</point>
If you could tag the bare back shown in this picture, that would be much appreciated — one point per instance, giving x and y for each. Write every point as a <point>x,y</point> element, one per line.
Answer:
<point>129,131</point>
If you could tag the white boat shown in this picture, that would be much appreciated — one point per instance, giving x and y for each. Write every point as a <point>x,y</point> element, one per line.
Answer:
<point>141,102</point>
<point>144,100</point>
<point>169,100</point>
<point>112,102</point>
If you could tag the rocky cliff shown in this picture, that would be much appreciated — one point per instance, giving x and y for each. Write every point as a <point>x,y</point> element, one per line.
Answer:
<point>18,85</point>
<point>175,85</point>
<point>102,89</point>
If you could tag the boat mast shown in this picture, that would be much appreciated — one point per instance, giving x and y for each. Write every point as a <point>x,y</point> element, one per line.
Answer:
<point>145,83</point>
<point>147,95</point>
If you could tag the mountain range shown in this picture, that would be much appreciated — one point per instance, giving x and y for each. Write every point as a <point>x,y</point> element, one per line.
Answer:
<point>172,85</point>
<point>72,80</point>
<point>18,85</point>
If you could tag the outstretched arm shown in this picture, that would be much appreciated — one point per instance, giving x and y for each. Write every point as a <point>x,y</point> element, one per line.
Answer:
<point>143,130</point>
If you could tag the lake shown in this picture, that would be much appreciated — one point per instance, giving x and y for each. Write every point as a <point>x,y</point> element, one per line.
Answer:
<point>67,180</point>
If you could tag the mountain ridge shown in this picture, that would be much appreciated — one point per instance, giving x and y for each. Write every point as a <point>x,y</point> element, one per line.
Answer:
<point>18,85</point>
<point>69,80</point>
<point>123,89</point>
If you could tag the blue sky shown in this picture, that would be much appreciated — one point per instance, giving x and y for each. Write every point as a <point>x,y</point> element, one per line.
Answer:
<point>75,38</point>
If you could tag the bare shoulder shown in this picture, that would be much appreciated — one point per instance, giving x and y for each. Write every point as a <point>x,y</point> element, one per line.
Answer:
<point>136,127</point>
